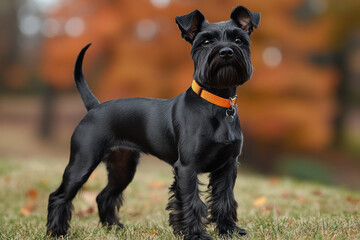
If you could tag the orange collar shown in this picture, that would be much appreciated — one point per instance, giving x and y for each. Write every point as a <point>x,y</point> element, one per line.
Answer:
<point>214,99</point>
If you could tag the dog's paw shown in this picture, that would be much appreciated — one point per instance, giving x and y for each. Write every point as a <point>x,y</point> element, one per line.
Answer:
<point>110,225</point>
<point>228,232</point>
<point>202,236</point>
<point>55,233</point>
<point>240,231</point>
<point>119,226</point>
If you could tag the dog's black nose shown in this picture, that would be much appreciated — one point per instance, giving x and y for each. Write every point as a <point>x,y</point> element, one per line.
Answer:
<point>226,52</point>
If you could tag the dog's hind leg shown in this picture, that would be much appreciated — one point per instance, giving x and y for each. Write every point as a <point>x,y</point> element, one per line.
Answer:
<point>121,167</point>
<point>175,206</point>
<point>84,158</point>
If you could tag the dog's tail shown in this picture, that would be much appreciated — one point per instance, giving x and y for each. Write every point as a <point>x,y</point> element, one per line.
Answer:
<point>87,96</point>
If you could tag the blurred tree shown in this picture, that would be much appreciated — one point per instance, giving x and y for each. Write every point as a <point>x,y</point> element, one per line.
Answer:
<point>344,54</point>
<point>9,49</point>
<point>346,44</point>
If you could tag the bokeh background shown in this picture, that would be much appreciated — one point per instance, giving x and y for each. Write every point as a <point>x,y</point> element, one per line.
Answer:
<point>300,112</point>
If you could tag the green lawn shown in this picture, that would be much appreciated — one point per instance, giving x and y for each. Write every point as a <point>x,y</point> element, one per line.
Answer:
<point>269,208</point>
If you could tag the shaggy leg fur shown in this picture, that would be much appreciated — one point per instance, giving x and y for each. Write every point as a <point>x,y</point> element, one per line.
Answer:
<point>76,173</point>
<point>189,211</point>
<point>121,167</point>
<point>175,206</point>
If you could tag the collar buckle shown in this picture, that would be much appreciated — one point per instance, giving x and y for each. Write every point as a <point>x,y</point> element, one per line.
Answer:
<point>232,101</point>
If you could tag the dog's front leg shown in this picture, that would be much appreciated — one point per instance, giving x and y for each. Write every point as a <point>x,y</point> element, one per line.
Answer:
<point>189,211</point>
<point>222,202</point>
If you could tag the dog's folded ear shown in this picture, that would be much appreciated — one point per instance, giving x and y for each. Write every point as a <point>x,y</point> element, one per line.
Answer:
<point>190,24</point>
<point>245,19</point>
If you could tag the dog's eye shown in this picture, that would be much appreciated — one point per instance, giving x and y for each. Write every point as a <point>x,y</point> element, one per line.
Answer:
<point>205,42</point>
<point>238,41</point>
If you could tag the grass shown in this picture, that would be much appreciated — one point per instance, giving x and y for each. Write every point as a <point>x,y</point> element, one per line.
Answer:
<point>269,208</point>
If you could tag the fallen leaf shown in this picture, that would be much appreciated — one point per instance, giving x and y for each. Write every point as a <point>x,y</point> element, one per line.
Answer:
<point>153,233</point>
<point>32,194</point>
<point>317,192</point>
<point>7,179</point>
<point>288,194</point>
<point>90,210</point>
<point>259,201</point>
<point>302,200</point>
<point>27,209</point>
<point>85,213</point>
<point>352,199</point>
<point>274,208</point>
<point>274,181</point>
<point>157,185</point>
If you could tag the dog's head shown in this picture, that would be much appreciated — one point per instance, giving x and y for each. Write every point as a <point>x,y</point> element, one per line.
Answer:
<point>220,51</point>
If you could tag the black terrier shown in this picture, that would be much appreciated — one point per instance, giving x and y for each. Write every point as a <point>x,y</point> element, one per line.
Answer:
<point>196,132</point>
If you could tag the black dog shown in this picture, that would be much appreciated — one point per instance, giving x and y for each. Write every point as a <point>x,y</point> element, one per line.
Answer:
<point>196,132</point>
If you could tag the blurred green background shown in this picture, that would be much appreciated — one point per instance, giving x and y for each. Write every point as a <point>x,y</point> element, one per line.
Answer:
<point>300,113</point>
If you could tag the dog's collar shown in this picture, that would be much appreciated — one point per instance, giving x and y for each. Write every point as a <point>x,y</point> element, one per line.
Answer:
<point>214,99</point>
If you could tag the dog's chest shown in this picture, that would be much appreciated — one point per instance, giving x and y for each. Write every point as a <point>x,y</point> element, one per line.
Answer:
<point>215,155</point>
<point>220,145</point>
<point>225,132</point>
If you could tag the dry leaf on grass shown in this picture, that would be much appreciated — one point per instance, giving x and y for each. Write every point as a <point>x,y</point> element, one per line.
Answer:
<point>352,199</point>
<point>32,194</point>
<point>274,181</point>
<point>27,209</point>
<point>7,180</point>
<point>85,213</point>
<point>302,200</point>
<point>317,192</point>
<point>287,194</point>
<point>259,201</point>
<point>274,208</point>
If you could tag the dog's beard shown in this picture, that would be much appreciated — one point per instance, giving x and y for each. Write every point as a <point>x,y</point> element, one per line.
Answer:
<point>226,73</point>
<point>224,77</point>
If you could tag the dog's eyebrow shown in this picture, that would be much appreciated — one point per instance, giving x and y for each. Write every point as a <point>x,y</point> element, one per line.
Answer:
<point>233,33</point>
<point>209,34</point>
